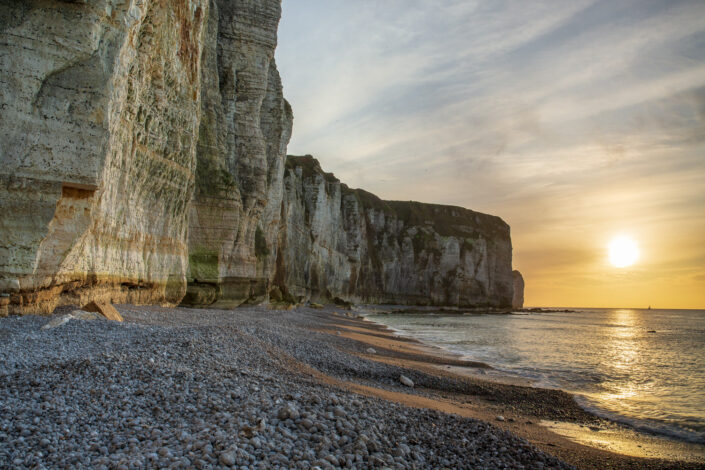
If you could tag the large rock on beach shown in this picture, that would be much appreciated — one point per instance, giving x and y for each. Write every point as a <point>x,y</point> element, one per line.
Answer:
<point>75,315</point>
<point>106,310</point>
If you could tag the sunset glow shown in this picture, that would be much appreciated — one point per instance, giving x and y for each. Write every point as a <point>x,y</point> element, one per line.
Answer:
<point>569,120</point>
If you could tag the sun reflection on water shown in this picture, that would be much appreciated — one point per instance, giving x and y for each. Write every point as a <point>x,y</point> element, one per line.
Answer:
<point>622,352</point>
<point>639,367</point>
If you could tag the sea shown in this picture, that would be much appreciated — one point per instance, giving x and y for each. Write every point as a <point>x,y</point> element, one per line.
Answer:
<point>639,367</point>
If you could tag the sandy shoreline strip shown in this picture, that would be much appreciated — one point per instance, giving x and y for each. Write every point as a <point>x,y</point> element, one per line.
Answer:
<point>582,439</point>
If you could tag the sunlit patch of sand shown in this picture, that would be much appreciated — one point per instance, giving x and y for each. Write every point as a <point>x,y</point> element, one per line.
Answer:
<point>626,441</point>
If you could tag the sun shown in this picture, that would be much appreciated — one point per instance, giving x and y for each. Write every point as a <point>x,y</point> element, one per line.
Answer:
<point>623,251</point>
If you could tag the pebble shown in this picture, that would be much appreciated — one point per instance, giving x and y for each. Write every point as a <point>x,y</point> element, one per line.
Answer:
<point>228,458</point>
<point>406,381</point>
<point>256,443</point>
<point>307,423</point>
<point>204,388</point>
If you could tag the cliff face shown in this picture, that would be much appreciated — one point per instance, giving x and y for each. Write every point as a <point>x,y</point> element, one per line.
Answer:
<point>245,128</point>
<point>349,244</point>
<point>111,120</point>
<point>100,110</point>
<point>143,160</point>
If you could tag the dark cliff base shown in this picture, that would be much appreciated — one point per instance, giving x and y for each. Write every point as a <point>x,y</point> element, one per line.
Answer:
<point>396,309</point>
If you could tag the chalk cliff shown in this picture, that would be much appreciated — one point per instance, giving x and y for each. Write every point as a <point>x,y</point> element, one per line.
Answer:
<point>337,242</point>
<point>144,160</point>
<point>244,130</point>
<point>100,112</point>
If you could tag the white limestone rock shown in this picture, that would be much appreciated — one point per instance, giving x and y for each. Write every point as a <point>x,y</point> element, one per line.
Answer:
<point>406,381</point>
<point>341,243</point>
<point>75,315</point>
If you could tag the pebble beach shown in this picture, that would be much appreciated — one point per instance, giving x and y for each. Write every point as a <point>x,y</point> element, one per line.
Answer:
<point>260,388</point>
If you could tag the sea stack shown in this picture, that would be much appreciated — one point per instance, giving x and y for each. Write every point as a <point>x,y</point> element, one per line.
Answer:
<point>518,298</point>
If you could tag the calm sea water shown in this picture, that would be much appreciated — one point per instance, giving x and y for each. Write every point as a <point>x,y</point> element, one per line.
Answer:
<point>644,368</point>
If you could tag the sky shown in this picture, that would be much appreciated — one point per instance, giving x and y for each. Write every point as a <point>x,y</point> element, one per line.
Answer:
<point>575,122</point>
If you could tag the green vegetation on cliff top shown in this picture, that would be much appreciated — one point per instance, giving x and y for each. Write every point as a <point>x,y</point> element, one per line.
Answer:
<point>310,167</point>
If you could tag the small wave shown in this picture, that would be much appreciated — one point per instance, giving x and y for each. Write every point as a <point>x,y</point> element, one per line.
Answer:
<point>565,352</point>
<point>641,425</point>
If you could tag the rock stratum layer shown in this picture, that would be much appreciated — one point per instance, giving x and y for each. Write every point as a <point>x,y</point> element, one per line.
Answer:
<point>144,161</point>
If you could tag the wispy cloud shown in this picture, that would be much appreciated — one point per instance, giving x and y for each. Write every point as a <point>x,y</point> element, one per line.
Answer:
<point>569,119</point>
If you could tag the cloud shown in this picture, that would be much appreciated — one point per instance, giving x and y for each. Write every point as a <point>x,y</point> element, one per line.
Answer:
<point>569,119</point>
